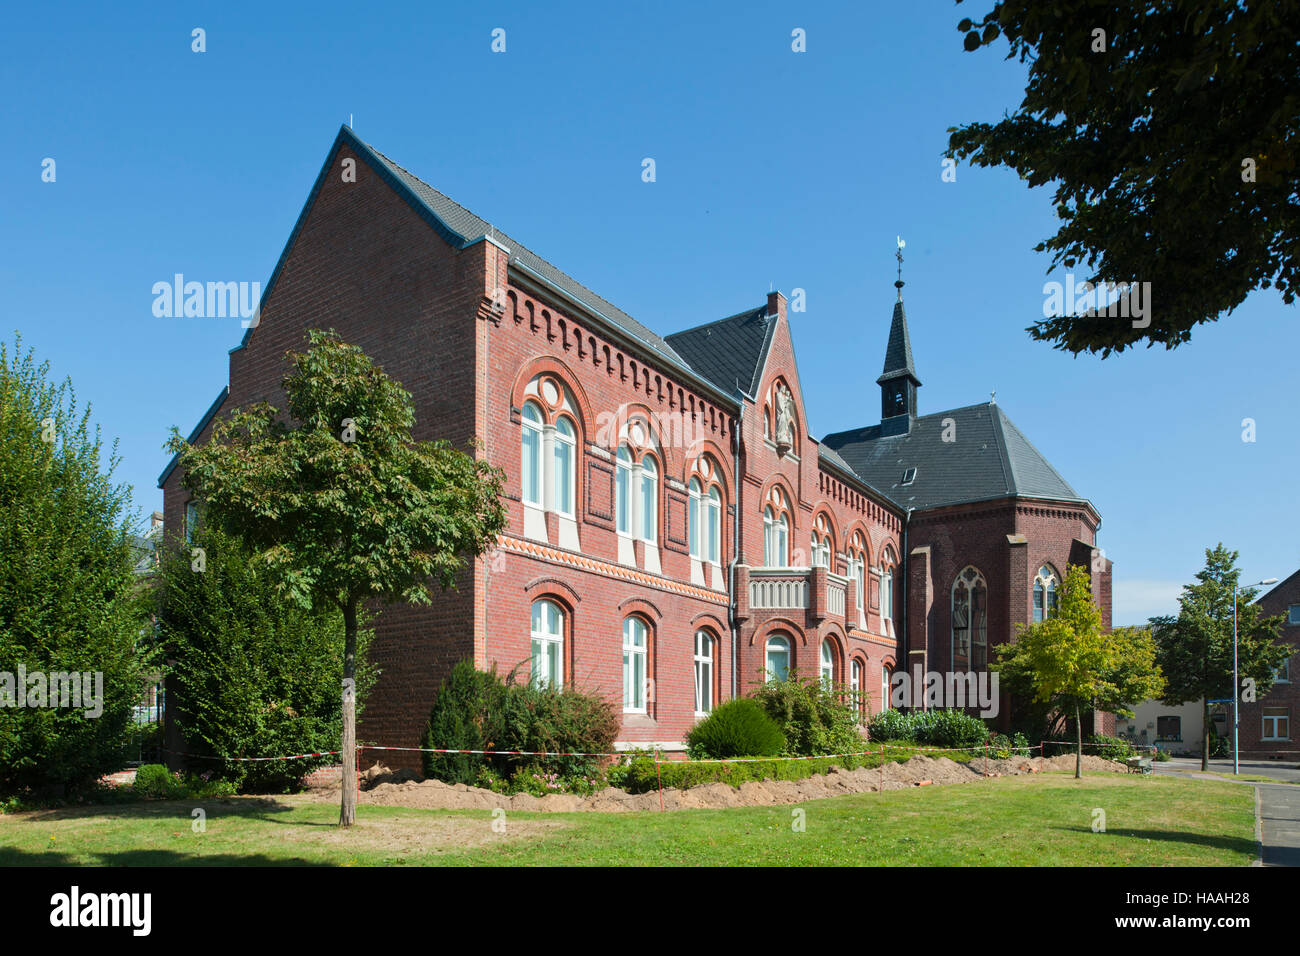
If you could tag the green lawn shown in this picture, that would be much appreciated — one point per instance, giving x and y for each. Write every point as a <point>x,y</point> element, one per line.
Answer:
<point>1012,821</point>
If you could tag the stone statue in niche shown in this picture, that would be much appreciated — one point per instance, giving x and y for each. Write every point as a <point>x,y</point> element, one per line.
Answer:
<point>784,419</point>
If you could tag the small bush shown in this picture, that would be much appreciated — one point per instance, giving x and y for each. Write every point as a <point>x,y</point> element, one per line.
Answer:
<point>1109,748</point>
<point>153,781</point>
<point>814,717</point>
<point>1161,756</point>
<point>1002,747</point>
<point>737,728</point>
<point>480,710</point>
<point>934,728</point>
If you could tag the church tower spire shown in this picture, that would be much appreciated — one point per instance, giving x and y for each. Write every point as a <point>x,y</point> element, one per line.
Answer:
<point>898,382</point>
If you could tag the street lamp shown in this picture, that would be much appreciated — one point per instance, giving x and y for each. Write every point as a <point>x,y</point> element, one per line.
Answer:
<point>1236,690</point>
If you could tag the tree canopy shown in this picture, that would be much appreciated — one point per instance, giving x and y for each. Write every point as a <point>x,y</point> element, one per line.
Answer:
<point>339,502</point>
<point>1194,648</point>
<point>1170,132</point>
<point>1071,662</point>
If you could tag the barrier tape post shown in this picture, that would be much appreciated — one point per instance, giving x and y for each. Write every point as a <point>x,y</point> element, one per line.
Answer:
<point>986,756</point>
<point>659,775</point>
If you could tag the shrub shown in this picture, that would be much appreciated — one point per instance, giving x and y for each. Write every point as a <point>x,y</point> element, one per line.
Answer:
<point>1003,747</point>
<point>253,674</point>
<point>480,710</point>
<point>814,717</point>
<point>934,728</point>
<point>1109,748</point>
<point>70,602</point>
<point>153,781</point>
<point>737,728</point>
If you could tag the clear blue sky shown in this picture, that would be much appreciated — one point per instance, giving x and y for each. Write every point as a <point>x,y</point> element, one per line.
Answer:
<point>773,167</point>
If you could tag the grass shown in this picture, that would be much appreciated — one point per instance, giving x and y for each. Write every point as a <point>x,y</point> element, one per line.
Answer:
<point>1012,821</point>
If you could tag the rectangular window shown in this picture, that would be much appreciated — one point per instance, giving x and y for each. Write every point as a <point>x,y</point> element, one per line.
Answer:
<point>703,674</point>
<point>1169,728</point>
<point>714,513</point>
<point>693,524</point>
<point>1284,672</point>
<point>531,474</point>
<point>191,521</point>
<point>1277,723</point>
<point>1293,614</point>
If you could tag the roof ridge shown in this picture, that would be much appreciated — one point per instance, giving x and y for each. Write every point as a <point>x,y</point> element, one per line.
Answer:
<point>705,325</point>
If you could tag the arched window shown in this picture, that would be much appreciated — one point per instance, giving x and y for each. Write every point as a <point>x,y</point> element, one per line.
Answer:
<point>531,454</point>
<point>703,672</point>
<point>769,539</point>
<point>887,589</point>
<point>1045,584</point>
<point>778,658</point>
<point>564,457</point>
<point>969,621</point>
<point>821,542</point>
<point>855,687</point>
<point>547,644</point>
<point>884,687</point>
<point>634,665</point>
<point>858,566</point>
<point>623,490</point>
<point>713,526</point>
<point>776,530</point>
<point>828,663</point>
<point>649,499</point>
<point>693,533</point>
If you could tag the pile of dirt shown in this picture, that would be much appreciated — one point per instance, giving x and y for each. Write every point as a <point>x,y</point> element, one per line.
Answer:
<point>402,788</point>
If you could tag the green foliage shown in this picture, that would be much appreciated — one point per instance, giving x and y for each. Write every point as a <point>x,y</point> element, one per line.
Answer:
<point>252,674</point>
<point>813,717</point>
<point>153,781</point>
<point>642,775</point>
<point>1110,748</point>
<point>1069,662</point>
<point>736,728</point>
<point>933,728</point>
<point>340,501</point>
<point>70,601</point>
<point>1003,747</point>
<point>480,710</point>
<point>1194,649</point>
<point>1138,171</point>
<point>1161,756</point>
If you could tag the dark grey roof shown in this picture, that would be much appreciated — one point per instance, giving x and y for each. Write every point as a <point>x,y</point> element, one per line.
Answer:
<point>988,458</point>
<point>468,228</point>
<point>898,354</point>
<point>730,351</point>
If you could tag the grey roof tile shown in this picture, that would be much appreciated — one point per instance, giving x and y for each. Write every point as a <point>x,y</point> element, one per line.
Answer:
<point>730,351</point>
<point>989,458</point>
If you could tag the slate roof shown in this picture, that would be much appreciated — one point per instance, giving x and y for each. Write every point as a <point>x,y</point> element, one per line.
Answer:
<point>468,228</point>
<point>990,458</point>
<point>730,351</point>
<point>898,354</point>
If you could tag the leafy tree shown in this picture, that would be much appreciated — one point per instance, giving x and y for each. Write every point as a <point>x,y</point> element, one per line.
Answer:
<point>340,503</point>
<point>251,673</point>
<point>1070,662</point>
<point>814,716</point>
<point>1194,649</point>
<point>1172,142</point>
<point>69,599</point>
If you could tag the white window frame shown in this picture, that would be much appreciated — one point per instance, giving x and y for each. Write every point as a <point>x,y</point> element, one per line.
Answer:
<point>884,687</point>
<point>634,664</point>
<point>624,491</point>
<point>1047,593</point>
<point>887,595</point>
<point>1281,727</point>
<point>713,525</point>
<point>566,451</point>
<point>531,460</point>
<point>855,684</point>
<point>784,649</point>
<point>704,644</point>
<point>545,641</point>
<point>827,668</point>
<point>693,505</point>
<point>649,503</point>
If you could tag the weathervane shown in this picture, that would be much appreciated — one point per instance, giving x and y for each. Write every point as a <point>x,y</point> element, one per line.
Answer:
<point>899,284</point>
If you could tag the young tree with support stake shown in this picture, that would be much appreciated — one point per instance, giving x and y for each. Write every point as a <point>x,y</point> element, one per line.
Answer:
<point>1070,661</point>
<point>340,503</point>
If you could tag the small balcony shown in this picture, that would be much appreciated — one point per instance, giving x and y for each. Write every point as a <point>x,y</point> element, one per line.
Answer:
<point>816,591</point>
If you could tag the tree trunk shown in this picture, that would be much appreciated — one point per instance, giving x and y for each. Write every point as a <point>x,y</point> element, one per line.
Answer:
<point>348,812</point>
<point>1078,742</point>
<point>1205,734</point>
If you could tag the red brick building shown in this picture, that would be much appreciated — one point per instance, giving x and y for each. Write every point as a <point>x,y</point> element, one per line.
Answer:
<point>1267,725</point>
<point>675,530</point>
